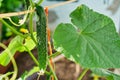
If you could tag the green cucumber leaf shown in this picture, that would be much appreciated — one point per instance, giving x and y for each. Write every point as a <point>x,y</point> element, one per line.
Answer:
<point>106,73</point>
<point>22,77</point>
<point>16,45</point>
<point>91,40</point>
<point>29,43</point>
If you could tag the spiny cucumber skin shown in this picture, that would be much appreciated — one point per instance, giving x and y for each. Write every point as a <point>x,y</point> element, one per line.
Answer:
<point>41,38</point>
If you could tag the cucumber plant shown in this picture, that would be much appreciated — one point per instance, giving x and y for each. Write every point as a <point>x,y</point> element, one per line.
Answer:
<point>90,40</point>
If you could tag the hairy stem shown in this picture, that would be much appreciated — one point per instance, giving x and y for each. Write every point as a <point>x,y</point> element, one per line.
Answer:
<point>31,27</point>
<point>51,68</point>
<point>82,74</point>
<point>11,28</point>
<point>31,3</point>
<point>54,55</point>
<point>32,56</point>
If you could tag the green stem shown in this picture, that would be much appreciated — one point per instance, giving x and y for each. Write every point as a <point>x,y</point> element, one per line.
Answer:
<point>5,76</point>
<point>51,68</point>
<point>31,27</point>
<point>82,74</point>
<point>13,61</point>
<point>13,30</point>
<point>0,31</point>
<point>54,55</point>
<point>32,56</point>
<point>40,1</point>
<point>31,3</point>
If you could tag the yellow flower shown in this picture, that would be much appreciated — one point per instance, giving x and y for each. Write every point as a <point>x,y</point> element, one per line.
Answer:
<point>96,77</point>
<point>23,30</point>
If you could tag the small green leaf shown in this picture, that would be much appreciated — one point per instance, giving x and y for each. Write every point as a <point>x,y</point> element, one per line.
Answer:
<point>106,73</point>
<point>15,45</point>
<point>27,74</point>
<point>22,77</point>
<point>29,43</point>
<point>32,71</point>
<point>91,41</point>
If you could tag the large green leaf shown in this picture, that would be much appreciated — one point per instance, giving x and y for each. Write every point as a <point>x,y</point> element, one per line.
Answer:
<point>106,73</point>
<point>91,41</point>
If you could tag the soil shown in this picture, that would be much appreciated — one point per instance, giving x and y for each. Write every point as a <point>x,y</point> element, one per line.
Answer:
<point>68,70</point>
<point>65,69</point>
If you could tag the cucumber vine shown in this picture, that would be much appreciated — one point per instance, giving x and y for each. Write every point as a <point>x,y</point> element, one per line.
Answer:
<point>89,40</point>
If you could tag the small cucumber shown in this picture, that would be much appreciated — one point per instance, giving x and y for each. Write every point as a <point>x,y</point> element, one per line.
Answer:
<point>41,38</point>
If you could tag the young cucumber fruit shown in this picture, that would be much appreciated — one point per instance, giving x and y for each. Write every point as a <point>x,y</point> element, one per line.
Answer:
<point>41,38</point>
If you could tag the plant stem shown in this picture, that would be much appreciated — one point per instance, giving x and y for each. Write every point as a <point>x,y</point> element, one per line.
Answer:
<point>54,55</point>
<point>4,76</point>
<point>13,61</point>
<point>50,52</point>
<point>31,27</point>
<point>52,70</point>
<point>0,31</point>
<point>32,56</point>
<point>82,74</point>
<point>13,30</point>
<point>31,3</point>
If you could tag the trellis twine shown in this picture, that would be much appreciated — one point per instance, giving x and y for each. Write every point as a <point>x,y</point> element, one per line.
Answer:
<point>5,15</point>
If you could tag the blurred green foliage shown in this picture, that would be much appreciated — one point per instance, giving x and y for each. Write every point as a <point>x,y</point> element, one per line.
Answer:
<point>10,6</point>
<point>0,2</point>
